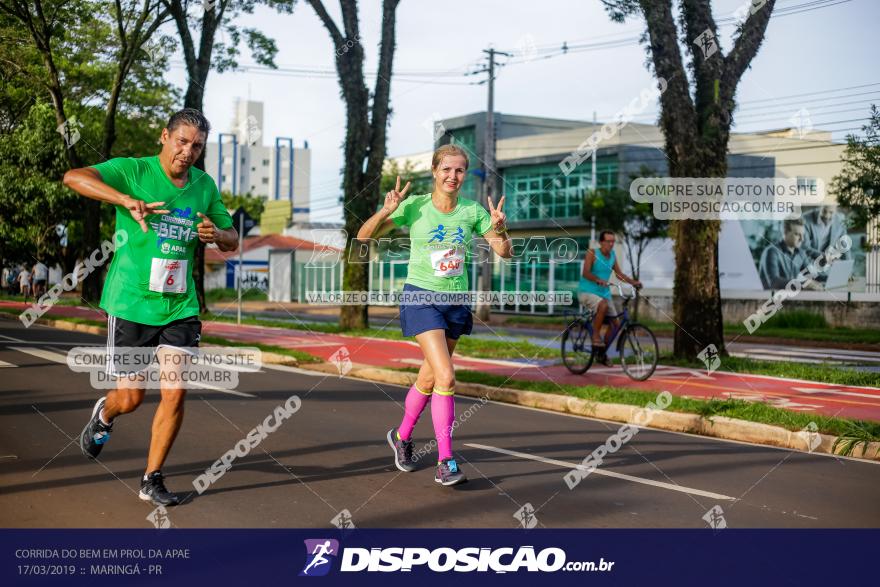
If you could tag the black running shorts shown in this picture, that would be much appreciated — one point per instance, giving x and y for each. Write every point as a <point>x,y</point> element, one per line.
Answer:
<point>131,345</point>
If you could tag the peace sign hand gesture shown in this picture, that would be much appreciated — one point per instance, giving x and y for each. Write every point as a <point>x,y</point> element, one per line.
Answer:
<point>499,218</point>
<point>395,196</point>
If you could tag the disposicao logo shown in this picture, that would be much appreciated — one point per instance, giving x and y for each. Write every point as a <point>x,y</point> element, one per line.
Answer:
<point>319,556</point>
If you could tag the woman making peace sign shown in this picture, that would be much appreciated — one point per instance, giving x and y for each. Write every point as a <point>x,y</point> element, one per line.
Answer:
<point>441,226</point>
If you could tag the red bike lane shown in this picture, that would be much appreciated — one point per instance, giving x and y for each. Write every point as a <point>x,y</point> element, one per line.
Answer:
<point>791,394</point>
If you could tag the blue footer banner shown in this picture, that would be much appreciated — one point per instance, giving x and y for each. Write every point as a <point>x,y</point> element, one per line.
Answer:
<point>426,557</point>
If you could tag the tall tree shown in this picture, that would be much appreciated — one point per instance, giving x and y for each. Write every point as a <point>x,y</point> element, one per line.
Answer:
<point>198,23</point>
<point>696,111</point>
<point>365,134</point>
<point>857,186</point>
<point>56,30</point>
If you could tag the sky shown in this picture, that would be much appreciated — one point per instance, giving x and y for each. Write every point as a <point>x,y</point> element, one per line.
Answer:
<point>821,59</point>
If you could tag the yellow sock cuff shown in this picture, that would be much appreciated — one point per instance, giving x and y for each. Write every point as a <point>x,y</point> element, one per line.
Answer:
<point>450,391</point>
<point>420,391</point>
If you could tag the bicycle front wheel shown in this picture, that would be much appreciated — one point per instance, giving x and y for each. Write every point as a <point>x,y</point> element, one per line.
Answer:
<point>638,352</point>
<point>577,348</point>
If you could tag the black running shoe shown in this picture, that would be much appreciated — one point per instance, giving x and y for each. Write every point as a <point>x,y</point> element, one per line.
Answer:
<point>403,450</point>
<point>96,433</point>
<point>153,489</point>
<point>448,473</point>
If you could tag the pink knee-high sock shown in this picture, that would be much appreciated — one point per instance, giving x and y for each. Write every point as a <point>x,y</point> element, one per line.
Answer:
<point>443,415</point>
<point>415,403</point>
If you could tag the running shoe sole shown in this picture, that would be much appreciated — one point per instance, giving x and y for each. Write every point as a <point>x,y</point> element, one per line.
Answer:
<point>450,483</point>
<point>148,498</point>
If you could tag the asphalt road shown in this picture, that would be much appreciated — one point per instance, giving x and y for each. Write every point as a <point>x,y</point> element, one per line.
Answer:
<point>331,456</point>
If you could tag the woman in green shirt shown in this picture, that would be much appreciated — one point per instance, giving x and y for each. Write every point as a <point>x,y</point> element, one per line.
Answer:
<point>441,226</point>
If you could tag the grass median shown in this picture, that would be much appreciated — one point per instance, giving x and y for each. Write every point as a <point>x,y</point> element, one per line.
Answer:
<point>794,325</point>
<point>466,347</point>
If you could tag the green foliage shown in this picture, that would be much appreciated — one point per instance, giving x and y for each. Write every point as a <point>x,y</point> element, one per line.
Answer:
<point>797,319</point>
<point>857,187</point>
<point>614,209</point>
<point>33,156</point>
<point>253,205</point>
<point>32,199</point>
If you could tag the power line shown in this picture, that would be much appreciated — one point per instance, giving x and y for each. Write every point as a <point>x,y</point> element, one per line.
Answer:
<point>564,48</point>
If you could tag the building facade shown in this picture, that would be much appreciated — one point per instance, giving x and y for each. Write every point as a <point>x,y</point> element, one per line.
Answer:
<point>246,160</point>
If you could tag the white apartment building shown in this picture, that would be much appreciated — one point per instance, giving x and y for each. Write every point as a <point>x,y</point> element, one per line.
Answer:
<point>255,162</point>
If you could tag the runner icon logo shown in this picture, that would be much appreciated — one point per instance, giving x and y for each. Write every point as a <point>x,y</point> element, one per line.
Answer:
<point>526,516</point>
<point>342,359</point>
<point>343,520</point>
<point>319,556</point>
<point>715,518</point>
<point>710,357</point>
<point>811,437</point>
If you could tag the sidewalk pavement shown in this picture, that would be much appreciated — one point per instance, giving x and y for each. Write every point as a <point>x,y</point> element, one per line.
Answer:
<point>797,395</point>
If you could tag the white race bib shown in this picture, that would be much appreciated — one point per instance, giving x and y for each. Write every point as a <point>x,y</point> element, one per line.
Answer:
<point>447,263</point>
<point>168,275</point>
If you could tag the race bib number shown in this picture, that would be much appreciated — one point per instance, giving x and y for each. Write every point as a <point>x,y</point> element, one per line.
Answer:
<point>447,263</point>
<point>168,275</point>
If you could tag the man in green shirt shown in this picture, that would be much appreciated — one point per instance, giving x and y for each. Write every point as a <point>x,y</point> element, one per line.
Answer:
<point>163,206</point>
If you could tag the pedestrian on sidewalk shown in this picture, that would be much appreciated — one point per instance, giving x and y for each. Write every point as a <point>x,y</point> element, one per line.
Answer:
<point>24,282</point>
<point>441,227</point>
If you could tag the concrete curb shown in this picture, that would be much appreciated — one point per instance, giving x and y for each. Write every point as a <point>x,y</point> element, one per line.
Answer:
<point>714,426</point>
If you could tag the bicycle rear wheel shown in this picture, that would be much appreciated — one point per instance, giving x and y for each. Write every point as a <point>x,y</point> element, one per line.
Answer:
<point>638,352</point>
<point>577,348</point>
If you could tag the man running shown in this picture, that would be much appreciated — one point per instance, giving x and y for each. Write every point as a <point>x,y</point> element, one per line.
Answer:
<point>163,205</point>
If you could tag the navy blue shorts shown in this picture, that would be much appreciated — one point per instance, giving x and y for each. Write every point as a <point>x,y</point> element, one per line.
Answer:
<point>415,318</point>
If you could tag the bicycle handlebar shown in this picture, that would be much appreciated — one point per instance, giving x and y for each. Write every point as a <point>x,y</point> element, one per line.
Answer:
<point>632,289</point>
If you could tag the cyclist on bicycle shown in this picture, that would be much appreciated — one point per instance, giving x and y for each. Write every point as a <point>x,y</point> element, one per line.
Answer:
<point>594,293</point>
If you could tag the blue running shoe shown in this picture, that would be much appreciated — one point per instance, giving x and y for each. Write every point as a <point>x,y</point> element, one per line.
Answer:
<point>96,434</point>
<point>448,473</point>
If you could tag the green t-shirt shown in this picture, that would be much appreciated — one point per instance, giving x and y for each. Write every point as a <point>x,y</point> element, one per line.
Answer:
<point>150,278</point>
<point>440,243</point>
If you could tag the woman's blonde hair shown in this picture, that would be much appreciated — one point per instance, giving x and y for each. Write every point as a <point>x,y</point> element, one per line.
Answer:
<point>447,150</point>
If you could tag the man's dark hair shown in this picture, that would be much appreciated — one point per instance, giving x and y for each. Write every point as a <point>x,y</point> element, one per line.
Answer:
<point>602,234</point>
<point>190,117</point>
<point>787,225</point>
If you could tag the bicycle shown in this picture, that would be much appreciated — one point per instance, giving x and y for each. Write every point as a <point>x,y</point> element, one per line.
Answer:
<point>636,345</point>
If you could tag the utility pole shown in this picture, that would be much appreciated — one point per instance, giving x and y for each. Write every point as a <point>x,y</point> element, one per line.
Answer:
<point>483,310</point>
<point>593,186</point>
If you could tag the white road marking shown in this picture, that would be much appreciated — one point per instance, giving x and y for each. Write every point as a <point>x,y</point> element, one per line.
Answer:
<point>606,472</point>
<point>835,392</point>
<point>221,389</point>
<point>297,370</point>
<point>10,338</point>
<point>4,364</point>
<point>42,354</point>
